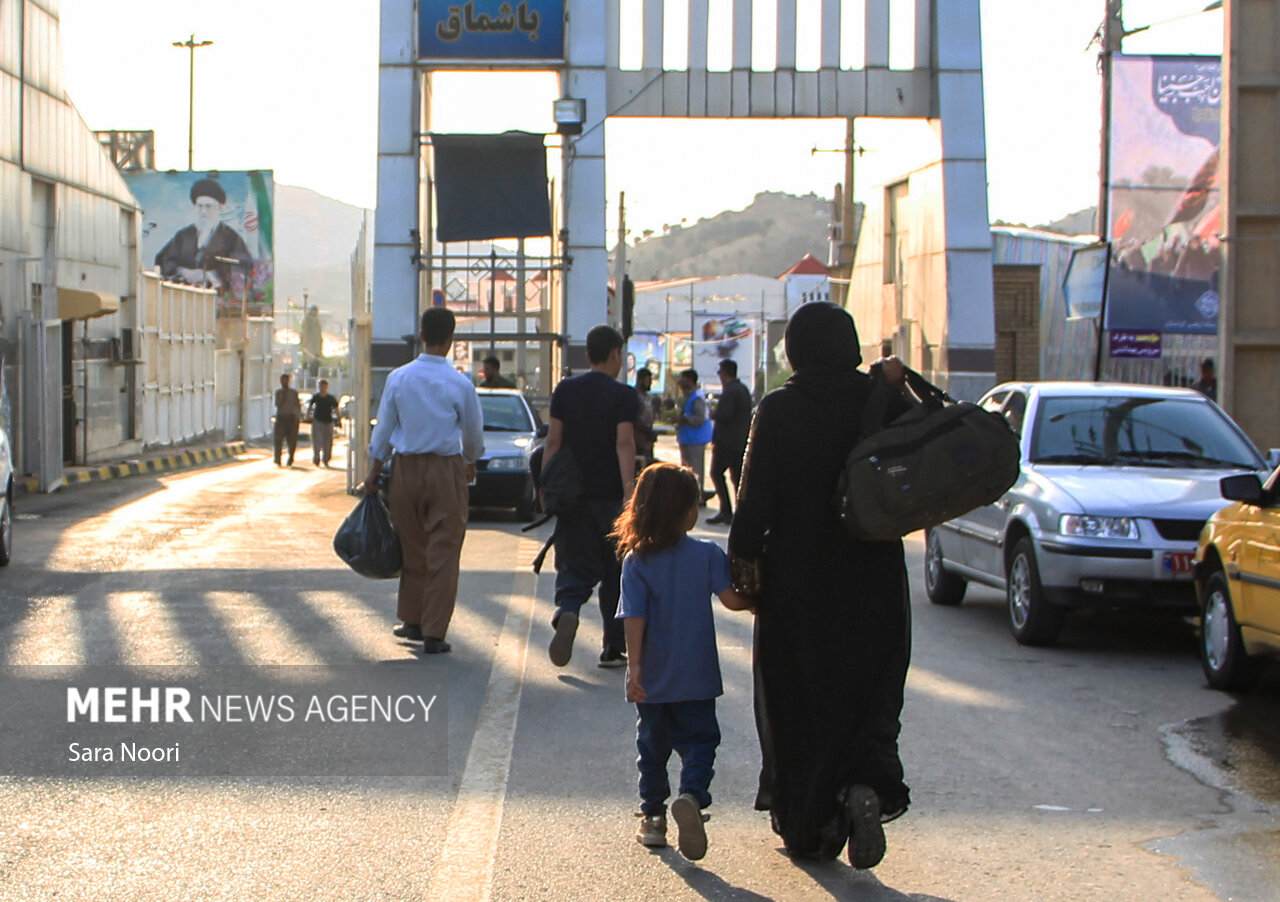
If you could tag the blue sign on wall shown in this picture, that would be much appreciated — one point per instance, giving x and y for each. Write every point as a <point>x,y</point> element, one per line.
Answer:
<point>491,29</point>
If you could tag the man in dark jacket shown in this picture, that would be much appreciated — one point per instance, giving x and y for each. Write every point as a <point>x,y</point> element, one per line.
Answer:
<point>199,254</point>
<point>732,418</point>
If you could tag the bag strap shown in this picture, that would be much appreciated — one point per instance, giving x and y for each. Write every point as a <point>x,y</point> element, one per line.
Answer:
<point>925,390</point>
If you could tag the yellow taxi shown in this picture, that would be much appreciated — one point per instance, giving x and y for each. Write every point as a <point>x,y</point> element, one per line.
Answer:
<point>1237,571</point>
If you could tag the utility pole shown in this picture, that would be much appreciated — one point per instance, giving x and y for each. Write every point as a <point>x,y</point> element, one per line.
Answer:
<point>191,44</point>
<point>620,261</point>
<point>1111,37</point>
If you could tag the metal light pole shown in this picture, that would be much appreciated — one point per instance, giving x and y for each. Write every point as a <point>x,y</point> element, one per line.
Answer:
<point>191,44</point>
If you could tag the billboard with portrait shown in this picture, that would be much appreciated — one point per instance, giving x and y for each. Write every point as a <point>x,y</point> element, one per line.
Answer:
<point>718,337</point>
<point>212,229</point>
<point>1165,207</point>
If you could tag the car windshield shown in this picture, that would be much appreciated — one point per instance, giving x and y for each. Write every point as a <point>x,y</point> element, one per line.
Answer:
<point>505,413</point>
<point>1154,432</point>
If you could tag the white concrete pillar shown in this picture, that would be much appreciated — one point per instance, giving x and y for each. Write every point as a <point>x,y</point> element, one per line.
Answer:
<point>586,279</point>
<point>395,275</point>
<point>969,350</point>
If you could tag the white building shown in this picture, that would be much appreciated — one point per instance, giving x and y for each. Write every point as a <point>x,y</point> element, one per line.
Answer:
<point>68,263</point>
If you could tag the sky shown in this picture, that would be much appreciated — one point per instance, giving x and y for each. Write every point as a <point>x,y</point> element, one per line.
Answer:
<point>298,94</point>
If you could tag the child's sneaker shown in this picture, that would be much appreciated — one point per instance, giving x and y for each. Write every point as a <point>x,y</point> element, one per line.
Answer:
<point>691,834</point>
<point>653,831</point>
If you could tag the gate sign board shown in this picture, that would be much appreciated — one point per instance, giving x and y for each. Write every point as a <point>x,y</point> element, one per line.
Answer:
<point>491,30</point>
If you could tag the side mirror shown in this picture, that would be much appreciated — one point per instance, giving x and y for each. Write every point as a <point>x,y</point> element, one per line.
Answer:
<point>1245,487</point>
<point>544,429</point>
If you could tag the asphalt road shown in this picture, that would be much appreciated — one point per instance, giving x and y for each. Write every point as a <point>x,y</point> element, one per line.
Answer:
<point>1101,769</point>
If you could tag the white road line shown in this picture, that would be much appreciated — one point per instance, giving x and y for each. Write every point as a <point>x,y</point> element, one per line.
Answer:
<point>464,870</point>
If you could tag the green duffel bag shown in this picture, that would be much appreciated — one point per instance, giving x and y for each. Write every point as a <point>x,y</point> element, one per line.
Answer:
<point>941,459</point>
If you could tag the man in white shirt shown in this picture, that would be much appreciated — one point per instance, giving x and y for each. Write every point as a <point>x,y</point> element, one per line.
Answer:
<point>430,415</point>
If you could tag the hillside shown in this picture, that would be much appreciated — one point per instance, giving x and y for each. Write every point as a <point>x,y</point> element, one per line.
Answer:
<point>766,238</point>
<point>314,238</point>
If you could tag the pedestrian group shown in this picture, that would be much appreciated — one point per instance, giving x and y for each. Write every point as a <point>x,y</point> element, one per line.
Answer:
<point>832,626</point>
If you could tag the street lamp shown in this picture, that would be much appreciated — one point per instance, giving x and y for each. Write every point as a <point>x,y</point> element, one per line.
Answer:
<point>191,44</point>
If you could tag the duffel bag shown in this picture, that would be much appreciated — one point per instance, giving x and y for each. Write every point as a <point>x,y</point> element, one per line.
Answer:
<point>941,459</point>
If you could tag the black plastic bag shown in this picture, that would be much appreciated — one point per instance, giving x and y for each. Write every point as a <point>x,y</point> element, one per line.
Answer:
<point>367,542</point>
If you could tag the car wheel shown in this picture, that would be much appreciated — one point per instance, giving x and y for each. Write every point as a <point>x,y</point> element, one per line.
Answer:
<point>1226,664</point>
<point>6,529</point>
<point>1033,620</point>
<point>942,586</point>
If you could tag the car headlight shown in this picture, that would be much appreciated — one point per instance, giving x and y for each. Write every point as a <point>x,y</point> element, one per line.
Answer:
<point>1087,527</point>
<point>506,463</point>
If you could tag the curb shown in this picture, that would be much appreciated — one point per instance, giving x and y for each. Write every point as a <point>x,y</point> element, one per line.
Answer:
<point>177,461</point>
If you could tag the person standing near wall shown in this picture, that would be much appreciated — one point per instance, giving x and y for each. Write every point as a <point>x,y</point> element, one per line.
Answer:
<point>430,415</point>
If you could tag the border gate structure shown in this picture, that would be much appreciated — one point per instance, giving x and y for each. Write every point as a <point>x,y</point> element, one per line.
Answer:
<point>691,59</point>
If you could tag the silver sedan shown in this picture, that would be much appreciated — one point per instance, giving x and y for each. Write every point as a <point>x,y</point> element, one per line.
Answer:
<point>1116,483</point>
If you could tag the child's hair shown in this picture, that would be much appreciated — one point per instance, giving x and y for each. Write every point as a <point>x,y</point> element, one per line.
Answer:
<point>655,515</point>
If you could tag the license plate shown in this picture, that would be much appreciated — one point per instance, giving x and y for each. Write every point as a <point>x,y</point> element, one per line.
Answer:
<point>1178,562</point>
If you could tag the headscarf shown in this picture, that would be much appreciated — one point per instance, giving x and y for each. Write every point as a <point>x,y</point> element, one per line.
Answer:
<point>822,341</point>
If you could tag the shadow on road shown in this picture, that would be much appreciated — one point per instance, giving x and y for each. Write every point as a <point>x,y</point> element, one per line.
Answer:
<point>841,881</point>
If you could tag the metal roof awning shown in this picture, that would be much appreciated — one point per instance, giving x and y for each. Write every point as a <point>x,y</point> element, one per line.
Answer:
<point>77,303</point>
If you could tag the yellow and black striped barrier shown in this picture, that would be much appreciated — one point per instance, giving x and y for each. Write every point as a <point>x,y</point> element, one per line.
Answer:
<point>189,458</point>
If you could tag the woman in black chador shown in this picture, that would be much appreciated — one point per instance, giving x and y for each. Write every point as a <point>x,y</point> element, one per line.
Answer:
<point>833,624</point>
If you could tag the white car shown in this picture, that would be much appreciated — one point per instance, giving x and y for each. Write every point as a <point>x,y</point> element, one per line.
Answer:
<point>1116,483</point>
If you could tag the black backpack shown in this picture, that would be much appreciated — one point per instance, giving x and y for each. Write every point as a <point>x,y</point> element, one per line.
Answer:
<point>562,492</point>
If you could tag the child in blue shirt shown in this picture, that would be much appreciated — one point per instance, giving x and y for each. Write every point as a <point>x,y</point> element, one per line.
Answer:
<point>673,671</point>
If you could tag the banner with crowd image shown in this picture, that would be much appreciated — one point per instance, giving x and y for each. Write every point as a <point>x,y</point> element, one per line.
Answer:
<point>211,229</point>
<point>1165,205</point>
<point>719,337</point>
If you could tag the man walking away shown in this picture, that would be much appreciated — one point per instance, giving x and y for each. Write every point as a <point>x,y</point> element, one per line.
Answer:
<point>323,409</point>
<point>732,418</point>
<point>430,415</point>
<point>288,415</point>
<point>693,427</point>
<point>593,418</point>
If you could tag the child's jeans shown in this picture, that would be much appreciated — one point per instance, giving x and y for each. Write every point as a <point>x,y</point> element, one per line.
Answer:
<point>691,729</point>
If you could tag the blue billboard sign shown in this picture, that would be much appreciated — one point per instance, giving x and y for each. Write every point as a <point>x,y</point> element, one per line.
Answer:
<point>491,30</point>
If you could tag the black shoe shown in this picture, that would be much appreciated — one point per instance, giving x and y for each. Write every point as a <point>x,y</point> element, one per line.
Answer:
<point>726,519</point>
<point>410,631</point>
<point>866,835</point>
<point>561,648</point>
<point>611,657</point>
<point>707,495</point>
<point>434,646</point>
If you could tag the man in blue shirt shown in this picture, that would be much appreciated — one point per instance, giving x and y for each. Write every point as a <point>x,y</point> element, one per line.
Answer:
<point>693,427</point>
<point>430,415</point>
<point>593,415</point>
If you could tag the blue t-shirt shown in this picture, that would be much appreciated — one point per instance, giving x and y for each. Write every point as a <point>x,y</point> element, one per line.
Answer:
<point>672,589</point>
